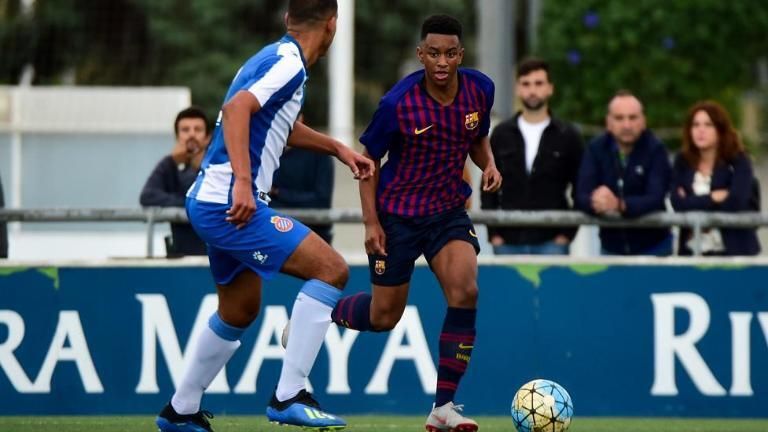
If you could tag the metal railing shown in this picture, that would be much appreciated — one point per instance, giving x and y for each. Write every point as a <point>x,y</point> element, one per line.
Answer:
<point>697,221</point>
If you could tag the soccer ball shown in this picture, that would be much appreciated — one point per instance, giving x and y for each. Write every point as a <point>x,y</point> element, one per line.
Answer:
<point>542,406</point>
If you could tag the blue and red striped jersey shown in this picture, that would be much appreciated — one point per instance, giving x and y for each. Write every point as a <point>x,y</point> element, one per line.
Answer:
<point>427,143</point>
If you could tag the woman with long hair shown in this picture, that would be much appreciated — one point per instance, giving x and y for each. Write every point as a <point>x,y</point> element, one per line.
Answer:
<point>712,172</point>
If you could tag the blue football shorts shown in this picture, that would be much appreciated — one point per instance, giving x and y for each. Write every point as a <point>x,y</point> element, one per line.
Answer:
<point>263,245</point>
<point>411,236</point>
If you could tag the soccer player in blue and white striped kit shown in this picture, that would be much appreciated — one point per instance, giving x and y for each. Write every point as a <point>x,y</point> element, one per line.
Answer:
<point>247,241</point>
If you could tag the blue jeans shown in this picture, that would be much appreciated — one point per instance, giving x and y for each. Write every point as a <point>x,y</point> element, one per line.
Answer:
<point>546,248</point>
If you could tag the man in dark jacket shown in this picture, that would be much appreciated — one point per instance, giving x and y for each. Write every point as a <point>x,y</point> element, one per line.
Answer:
<point>625,172</point>
<point>3,228</point>
<point>168,184</point>
<point>538,156</point>
<point>304,181</point>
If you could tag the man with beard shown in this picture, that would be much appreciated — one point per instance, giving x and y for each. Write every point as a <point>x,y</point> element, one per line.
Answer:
<point>625,173</point>
<point>538,156</point>
<point>168,184</point>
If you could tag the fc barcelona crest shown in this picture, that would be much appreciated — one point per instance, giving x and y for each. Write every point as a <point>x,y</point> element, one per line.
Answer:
<point>281,224</point>
<point>471,120</point>
<point>380,267</point>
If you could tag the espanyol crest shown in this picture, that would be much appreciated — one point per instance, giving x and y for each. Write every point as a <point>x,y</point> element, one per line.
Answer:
<point>281,224</point>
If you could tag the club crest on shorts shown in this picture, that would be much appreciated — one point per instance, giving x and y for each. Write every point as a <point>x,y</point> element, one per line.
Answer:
<point>471,120</point>
<point>281,224</point>
<point>380,267</point>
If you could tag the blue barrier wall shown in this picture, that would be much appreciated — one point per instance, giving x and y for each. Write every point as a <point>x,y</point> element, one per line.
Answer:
<point>629,340</point>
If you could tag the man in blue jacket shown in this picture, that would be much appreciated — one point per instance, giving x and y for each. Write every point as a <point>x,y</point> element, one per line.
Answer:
<point>625,172</point>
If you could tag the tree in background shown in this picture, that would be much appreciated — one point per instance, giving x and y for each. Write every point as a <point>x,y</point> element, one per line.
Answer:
<point>199,44</point>
<point>670,53</point>
<point>194,43</point>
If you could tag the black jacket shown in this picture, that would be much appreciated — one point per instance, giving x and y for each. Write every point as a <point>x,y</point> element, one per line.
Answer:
<point>304,180</point>
<point>738,179</point>
<point>167,187</point>
<point>645,179</point>
<point>3,228</point>
<point>555,167</point>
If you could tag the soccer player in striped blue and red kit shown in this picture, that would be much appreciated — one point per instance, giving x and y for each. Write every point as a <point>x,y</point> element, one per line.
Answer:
<point>427,124</point>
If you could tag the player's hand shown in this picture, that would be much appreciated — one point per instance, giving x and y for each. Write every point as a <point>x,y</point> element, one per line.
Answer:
<point>491,179</point>
<point>375,239</point>
<point>362,167</point>
<point>719,195</point>
<point>243,204</point>
<point>179,153</point>
<point>604,201</point>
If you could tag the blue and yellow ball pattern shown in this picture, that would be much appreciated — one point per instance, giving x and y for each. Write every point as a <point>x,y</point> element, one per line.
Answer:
<point>542,406</point>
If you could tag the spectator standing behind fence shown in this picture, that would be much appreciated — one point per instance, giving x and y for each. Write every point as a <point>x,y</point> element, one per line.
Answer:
<point>625,173</point>
<point>3,228</point>
<point>168,184</point>
<point>713,173</point>
<point>304,180</point>
<point>538,156</point>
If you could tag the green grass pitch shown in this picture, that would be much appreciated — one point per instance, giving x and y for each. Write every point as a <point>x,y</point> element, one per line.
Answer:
<point>374,423</point>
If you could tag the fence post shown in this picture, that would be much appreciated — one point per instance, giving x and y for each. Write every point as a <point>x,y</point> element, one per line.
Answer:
<point>151,232</point>
<point>697,236</point>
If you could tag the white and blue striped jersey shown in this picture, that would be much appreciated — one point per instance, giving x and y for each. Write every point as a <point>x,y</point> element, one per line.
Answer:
<point>275,76</point>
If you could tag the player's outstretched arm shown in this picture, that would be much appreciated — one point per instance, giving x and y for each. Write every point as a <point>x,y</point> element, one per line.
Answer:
<point>303,136</point>
<point>481,155</point>
<point>375,239</point>
<point>236,117</point>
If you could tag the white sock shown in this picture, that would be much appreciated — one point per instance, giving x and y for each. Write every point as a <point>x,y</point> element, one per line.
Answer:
<point>211,354</point>
<point>310,319</point>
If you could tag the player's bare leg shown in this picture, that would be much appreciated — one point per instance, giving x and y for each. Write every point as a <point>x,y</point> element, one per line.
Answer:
<point>240,300</point>
<point>456,269</point>
<point>325,273</point>
<point>387,305</point>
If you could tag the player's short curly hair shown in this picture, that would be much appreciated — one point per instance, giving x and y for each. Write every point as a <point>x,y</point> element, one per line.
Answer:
<point>441,24</point>
<point>307,11</point>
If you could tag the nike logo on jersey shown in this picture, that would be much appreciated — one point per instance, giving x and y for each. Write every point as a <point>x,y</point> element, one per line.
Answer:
<point>462,346</point>
<point>418,131</point>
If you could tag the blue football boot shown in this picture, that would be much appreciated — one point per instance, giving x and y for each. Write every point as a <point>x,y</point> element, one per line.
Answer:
<point>304,411</point>
<point>170,421</point>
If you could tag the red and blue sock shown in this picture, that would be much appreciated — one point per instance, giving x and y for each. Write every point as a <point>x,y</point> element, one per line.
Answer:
<point>456,342</point>
<point>354,312</point>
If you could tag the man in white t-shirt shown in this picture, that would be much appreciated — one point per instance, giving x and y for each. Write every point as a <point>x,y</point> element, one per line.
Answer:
<point>538,156</point>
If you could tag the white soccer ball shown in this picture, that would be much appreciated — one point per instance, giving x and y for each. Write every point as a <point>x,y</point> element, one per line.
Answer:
<point>542,406</point>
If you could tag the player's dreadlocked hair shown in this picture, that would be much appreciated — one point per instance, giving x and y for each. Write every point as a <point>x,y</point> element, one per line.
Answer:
<point>308,11</point>
<point>441,24</point>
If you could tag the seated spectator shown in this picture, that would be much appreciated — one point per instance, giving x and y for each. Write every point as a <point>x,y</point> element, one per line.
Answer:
<point>625,173</point>
<point>304,181</point>
<point>168,184</point>
<point>713,173</point>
